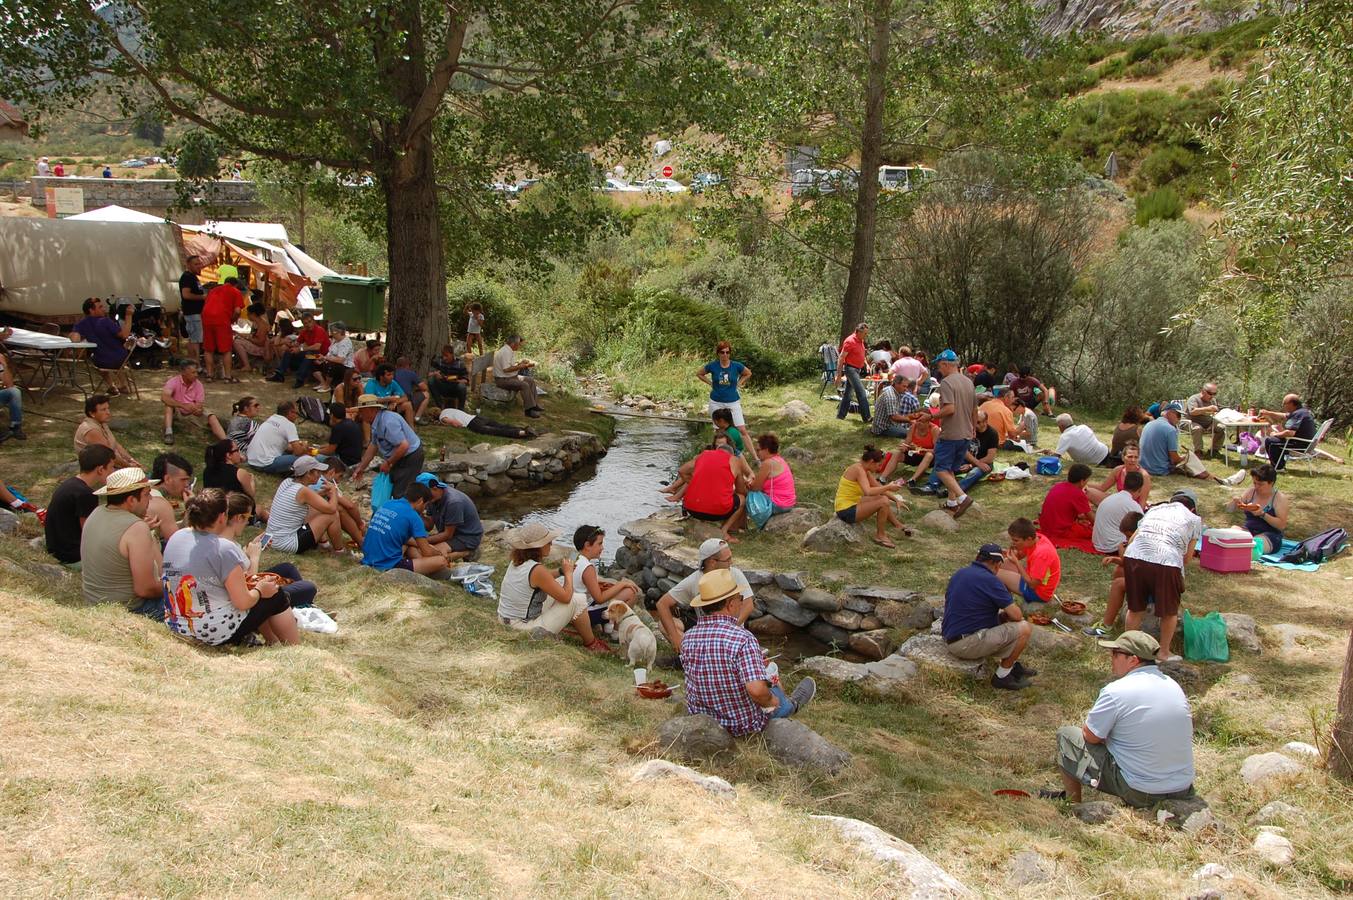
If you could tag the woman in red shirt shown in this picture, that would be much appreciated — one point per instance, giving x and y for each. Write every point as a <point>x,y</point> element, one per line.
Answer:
<point>718,480</point>
<point>219,310</point>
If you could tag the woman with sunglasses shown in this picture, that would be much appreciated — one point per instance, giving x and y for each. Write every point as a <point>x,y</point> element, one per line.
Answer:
<point>725,376</point>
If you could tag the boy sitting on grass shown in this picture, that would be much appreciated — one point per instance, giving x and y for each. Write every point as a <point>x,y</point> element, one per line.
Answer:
<point>1031,569</point>
<point>397,538</point>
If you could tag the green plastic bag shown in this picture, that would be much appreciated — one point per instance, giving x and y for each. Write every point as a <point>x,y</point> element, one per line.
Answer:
<point>1205,637</point>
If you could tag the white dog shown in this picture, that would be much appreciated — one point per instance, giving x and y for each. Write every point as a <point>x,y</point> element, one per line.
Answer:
<point>637,643</point>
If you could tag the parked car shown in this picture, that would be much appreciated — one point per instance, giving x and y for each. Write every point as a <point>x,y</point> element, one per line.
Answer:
<point>133,163</point>
<point>618,186</point>
<point>705,180</point>
<point>904,178</point>
<point>821,182</point>
<point>664,186</point>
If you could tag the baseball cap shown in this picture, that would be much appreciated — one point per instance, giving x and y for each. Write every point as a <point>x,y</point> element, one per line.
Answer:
<point>1172,406</point>
<point>1187,497</point>
<point>305,464</point>
<point>430,480</point>
<point>946,355</point>
<point>990,553</point>
<point>712,547</point>
<point>585,535</point>
<point>1137,643</point>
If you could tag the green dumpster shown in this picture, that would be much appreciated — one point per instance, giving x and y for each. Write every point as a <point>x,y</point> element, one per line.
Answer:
<point>354,300</point>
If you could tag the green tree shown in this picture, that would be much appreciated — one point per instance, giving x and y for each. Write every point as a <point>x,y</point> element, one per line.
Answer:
<point>412,108</point>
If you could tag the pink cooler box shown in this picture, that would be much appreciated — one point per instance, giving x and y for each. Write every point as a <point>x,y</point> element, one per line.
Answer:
<point>1227,550</point>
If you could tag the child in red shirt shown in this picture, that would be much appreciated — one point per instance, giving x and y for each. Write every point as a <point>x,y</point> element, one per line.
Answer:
<point>1032,569</point>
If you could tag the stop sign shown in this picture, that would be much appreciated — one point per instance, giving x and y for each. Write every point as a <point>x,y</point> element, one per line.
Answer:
<point>666,171</point>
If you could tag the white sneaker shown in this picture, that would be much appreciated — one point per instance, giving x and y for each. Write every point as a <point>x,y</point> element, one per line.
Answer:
<point>1235,479</point>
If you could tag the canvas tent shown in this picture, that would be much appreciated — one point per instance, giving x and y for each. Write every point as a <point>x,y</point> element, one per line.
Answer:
<point>114,214</point>
<point>49,266</point>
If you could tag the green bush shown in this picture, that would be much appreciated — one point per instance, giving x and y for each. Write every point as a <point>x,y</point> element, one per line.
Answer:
<point>1145,47</point>
<point>1146,68</point>
<point>1164,164</point>
<point>1162,203</point>
<point>500,316</point>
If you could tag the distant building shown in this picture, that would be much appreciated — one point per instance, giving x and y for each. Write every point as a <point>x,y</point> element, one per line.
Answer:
<point>13,126</point>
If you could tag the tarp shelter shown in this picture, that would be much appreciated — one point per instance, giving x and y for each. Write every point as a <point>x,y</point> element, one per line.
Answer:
<point>114,214</point>
<point>48,267</point>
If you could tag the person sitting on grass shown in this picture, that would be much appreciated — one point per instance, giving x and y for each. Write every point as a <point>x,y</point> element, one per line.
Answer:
<point>979,460</point>
<point>174,474</point>
<point>453,520</point>
<point>333,367</point>
<point>1137,740</point>
<point>1031,392</point>
<point>1128,430</point>
<point>1080,443</point>
<point>276,445</point>
<point>1127,529</point>
<point>93,430</point>
<point>303,512</point>
<point>350,519</point>
<point>589,541</point>
<point>725,667</point>
<point>773,476</point>
<point>222,470</point>
<point>349,389</point>
<point>896,409</point>
<point>861,496</point>
<point>1131,456</point>
<point>449,380</point>
<point>365,360</point>
<point>1132,498</point>
<point>981,620</point>
<point>72,503</point>
<point>397,539</point>
<point>716,487</point>
<point>382,386</point>
<point>1030,568</point>
<point>415,387</point>
<point>119,557</point>
<point>184,398</point>
<point>459,418</point>
<point>916,450</point>
<point>1265,508</point>
<point>675,609</point>
<point>242,423</point>
<point>723,424</point>
<point>1160,446</point>
<point>207,596</point>
<point>1000,412</point>
<point>532,599</point>
<point>345,437</point>
<point>1067,516</point>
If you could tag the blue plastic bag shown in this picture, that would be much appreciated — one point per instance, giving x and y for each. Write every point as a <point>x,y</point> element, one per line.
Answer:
<point>759,508</point>
<point>381,489</point>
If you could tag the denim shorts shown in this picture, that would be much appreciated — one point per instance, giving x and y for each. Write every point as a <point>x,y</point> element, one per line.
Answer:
<point>949,455</point>
<point>193,325</point>
<point>1027,592</point>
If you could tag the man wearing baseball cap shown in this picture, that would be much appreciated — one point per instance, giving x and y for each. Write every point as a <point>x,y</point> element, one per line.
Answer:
<point>714,554</point>
<point>982,620</point>
<point>1161,454</point>
<point>397,538</point>
<point>453,519</point>
<point>1137,740</point>
<point>119,558</point>
<point>1153,564</point>
<point>725,667</point>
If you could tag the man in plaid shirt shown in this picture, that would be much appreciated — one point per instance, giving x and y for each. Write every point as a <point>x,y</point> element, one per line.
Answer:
<point>726,676</point>
<point>895,409</point>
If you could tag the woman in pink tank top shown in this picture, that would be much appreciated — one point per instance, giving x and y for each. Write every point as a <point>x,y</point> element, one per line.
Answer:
<point>773,476</point>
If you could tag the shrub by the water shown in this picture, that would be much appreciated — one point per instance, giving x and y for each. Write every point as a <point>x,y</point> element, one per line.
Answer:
<point>500,317</point>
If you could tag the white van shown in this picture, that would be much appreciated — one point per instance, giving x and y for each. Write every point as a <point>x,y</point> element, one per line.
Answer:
<point>904,178</point>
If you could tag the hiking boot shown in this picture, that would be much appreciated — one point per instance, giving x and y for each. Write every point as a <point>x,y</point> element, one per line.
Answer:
<point>17,433</point>
<point>1095,631</point>
<point>960,509</point>
<point>1011,682</point>
<point>803,693</point>
<point>1020,670</point>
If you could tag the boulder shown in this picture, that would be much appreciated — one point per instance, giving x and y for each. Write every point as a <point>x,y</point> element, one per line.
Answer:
<point>796,412</point>
<point>493,526</point>
<point>1272,847</point>
<point>1302,751</point>
<point>829,634</point>
<point>656,769</point>
<point>1095,812</point>
<point>495,394</point>
<point>876,593</point>
<point>769,626</point>
<point>831,536</point>
<point>858,605</point>
<point>1047,639</point>
<point>941,521</point>
<point>917,876</point>
<point>1028,867</point>
<point>835,669</point>
<point>784,608</point>
<point>758,577</point>
<point>930,650</point>
<point>875,644</point>
<point>798,454</point>
<point>677,562</point>
<point>499,462</point>
<point>50,572</point>
<point>795,744</point>
<point>1275,811</point>
<point>797,519</point>
<point>1196,823</point>
<point>481,447</point>
<point>693,737</point>
<point>1241,631</point>
<point>414,580</point>
<point>1189,676</point>
<point>870,623</point>
<point>819,600</point>
<point>892,672</point>
<point>897,614</point>
<point>9,522</point>
<point>497,485</point>
<point>790,581</point>
<point>844,618</point>
<point>1266,768</point>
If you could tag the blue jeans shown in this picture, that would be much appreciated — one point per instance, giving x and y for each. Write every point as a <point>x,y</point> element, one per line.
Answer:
<point>964,484</point>
<point>853,383</point>
<point>895,429</point>
<point>151,609</point>
<point>950,454</point>
<point>785,709</point>
<point>281,465</point>
<point>14,400</point>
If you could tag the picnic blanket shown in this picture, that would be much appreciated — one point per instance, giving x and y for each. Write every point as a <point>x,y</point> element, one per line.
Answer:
<point>1275,559</point>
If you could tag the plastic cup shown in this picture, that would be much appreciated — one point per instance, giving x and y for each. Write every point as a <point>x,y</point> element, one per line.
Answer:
<point>640,676</point>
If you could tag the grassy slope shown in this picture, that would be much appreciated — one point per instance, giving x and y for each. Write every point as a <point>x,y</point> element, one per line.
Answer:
<point>424,744</point>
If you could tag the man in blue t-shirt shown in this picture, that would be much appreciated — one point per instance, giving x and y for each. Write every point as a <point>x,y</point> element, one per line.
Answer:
<point>975,602</point>
<point>398,444</point>
<point>1160,441</point>
<point>383,386</point>
<point>396,538</point>
<point>454,518</point>
<point>1297,431</point>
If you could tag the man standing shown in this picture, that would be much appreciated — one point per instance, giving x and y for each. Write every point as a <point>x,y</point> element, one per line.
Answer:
<point>119,559</point>
<point>958,426</point>
<point>184,397</point>
<point>714,554</point>
<point>222,307</point>
<point>276,443</point>
<point>454,529</point>
<point>72,502</point>
<point>191,300</point>
<point>975,603</point>
<point>1153,564</point>
<point>1200,409</point>
<point>11,397</point>
<point>725,667</point>
<point>93,430</point>
<point>507,375</point>
<point>1297,431</point>
<point>1137,740</point>
<point>890,418</point>
<point>854,362</point>
<point>398,444</point>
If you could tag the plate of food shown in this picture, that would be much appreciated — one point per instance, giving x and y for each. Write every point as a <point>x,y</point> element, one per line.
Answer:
<point>1073,607</point>
<point>654,690</point>
<point>1040,619</point>
<point>251,581</point>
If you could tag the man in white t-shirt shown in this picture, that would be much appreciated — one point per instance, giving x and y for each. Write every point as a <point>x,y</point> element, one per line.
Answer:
<point>1107,536</point>
<point>1137,740</point>
<point>507,375</point>
<point>459,418</point>
<point>333,368</point>
<point>276,444</point>
<point>1079,442</point>
<point>1153,564</point>
<point>714,554</point>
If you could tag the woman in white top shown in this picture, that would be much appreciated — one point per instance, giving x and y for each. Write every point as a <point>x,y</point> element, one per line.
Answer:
<point>302,516</point>
<point>589,540</point>
<point>206,580</point>
<point>531,597</point>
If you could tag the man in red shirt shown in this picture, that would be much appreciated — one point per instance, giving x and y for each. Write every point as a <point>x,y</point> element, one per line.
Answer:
<point>1067,517</point>
<point>311,344</point>
<point>219,311</point>
<point>854,360</point>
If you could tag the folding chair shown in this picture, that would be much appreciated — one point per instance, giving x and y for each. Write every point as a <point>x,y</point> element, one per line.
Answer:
<point>1309,453</point>
<point>119,377</point>
<point>830,358</point>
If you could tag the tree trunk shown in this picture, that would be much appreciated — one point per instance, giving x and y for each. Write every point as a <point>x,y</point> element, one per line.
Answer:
<point>856,299</point>
<point>417,300</point>
<point>1341,737</point>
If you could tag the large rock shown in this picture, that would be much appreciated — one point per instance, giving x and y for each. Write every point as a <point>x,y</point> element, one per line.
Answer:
<point>941,521</point>
<point>495,394</point>
<point>1266,768</point>
<point>784,608</point>
<point>1095,812</point>
<point>835,669</point>
<point>497,485</point>
<point>918,877</point>
<point>798,454</point>
<point>770,626</point>
<point>892,672</point>
<point>876,644</point>
<point>819,600</point>
<point>843,618</point>
<point>414,580</point>
<point>829,634</point>
<point>790,581</point>
<point>1047,639</point>
<point>1307,753</point>
<point>1028,867</point>
<point>831,537</point>
<point>1272,847</point>
<point>874,593</point>
<point>795,744</point>
<point>930,650</point>
<point>656,769</point>
<point>693,737</point>
<point>797,519</point>
<point>883,676</point>
<point>897,614</point>
<point>678,561</point>
<point>1242,631</point>
<point>9,522</point>
<point>796,411</point>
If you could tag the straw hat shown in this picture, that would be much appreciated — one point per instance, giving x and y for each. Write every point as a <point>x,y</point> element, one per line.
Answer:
<point>530,536</point>
<point>369,401</point>
<point>715,586</point>
<point>124,481</point>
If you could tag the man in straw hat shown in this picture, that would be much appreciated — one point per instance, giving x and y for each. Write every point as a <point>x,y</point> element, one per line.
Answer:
<point>1137,741</point>
<point>532,599</point>
<point>725,666</point>
<point>120,560</point>
<point>399,445</point>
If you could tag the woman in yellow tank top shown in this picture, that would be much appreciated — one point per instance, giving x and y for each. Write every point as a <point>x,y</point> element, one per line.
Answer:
<point>860,495</point>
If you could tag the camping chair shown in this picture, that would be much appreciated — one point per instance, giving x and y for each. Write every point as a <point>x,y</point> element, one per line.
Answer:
<point>1309,453</point>
<point>479,370</point>
<point>830,357</point>
<point>119,377</point>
